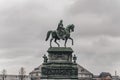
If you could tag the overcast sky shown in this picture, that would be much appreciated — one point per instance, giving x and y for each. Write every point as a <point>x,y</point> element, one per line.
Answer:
<point>24,25</point>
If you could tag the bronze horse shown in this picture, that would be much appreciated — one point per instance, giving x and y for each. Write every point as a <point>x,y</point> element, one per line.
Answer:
<point>55,36</point>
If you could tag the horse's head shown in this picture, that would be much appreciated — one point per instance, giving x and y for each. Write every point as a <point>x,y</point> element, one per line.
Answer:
<point>71,27</point>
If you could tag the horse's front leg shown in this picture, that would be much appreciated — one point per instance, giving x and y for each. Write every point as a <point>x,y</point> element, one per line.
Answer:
<point>71,39</point>
<point>51,42</point>
<point>56,42</point>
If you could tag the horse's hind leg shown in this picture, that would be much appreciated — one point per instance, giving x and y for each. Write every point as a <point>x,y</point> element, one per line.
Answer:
<point>51,42</point>
<point>65,42</point>
<point>56,42</point>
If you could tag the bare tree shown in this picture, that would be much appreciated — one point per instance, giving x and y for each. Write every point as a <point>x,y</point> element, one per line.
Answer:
<point>22,74</point>
<point>4,74</point>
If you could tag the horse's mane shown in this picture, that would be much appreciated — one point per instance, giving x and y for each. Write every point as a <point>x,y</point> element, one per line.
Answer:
<point>69,25</point>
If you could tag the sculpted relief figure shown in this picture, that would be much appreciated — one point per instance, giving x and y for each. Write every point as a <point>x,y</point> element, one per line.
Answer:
<point>60,33</point>
<point>74,58</point>
<point>45,59</point>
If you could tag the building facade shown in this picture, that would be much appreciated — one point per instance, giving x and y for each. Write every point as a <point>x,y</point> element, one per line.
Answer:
<point>14,77</point>
<point>84,74</point>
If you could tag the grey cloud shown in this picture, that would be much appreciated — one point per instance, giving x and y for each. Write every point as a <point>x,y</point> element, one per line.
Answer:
<point>98,52</point>
<point>95,17</point>
<point>96,6</point>
<point>24,27</point>
<point>24,23</point>
<point>29,63</point>
<point>18,53</point>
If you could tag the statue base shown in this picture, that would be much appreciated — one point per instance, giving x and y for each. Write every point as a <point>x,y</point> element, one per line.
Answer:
<point>58,79</point>
<point>60,65</point>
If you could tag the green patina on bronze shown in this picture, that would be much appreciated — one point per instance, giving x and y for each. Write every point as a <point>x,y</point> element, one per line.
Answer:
<point>60,64</point>
<point>60,33</point>
<point>60,49</point>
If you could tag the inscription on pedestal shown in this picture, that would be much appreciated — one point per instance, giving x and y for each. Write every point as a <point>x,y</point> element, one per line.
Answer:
<point>59,71</point>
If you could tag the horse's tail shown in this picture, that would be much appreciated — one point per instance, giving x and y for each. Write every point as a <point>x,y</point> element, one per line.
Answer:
<point>48,35</point>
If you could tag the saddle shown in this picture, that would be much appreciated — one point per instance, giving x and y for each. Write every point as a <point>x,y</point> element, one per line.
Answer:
<point>61,34</point>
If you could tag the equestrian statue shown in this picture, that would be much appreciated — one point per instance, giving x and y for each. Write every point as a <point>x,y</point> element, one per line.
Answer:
<point>61,33</point>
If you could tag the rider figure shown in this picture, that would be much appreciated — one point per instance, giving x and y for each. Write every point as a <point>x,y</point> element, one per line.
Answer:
<point>61,29</point>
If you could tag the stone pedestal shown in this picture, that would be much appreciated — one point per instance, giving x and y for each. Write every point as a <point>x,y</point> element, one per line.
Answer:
<point>59,65</point>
